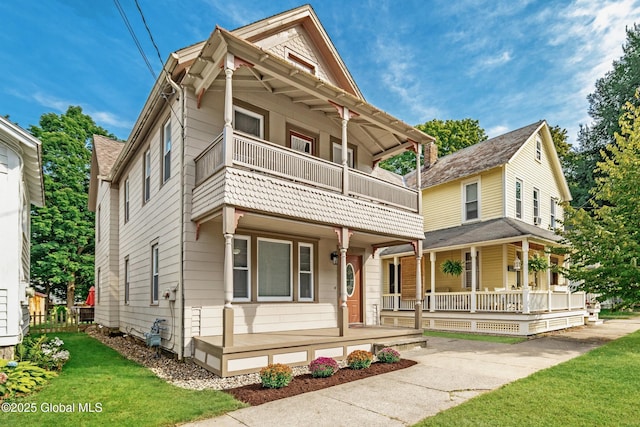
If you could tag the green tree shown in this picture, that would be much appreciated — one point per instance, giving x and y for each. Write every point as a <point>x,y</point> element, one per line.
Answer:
<point>606,242</point>
<point>451,135</point>
<point>62,232</point>
<point>606,106</point>
<point>559,136</point>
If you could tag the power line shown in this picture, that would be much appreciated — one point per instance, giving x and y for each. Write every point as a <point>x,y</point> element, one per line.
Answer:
<point>135,38</point>
<point>144,21</point>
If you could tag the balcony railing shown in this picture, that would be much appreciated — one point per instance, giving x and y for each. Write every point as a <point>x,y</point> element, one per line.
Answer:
<point>488,301</point>
<point>272,159</point>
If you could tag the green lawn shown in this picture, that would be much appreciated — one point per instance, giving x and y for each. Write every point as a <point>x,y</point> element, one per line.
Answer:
<point>610,314</point>
<point>474,337</point>
<point>128,394</point>
<point>600,388</point>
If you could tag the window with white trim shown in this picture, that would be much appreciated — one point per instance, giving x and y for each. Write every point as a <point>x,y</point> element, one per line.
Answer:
<point>536,206</point>
<point>468,269</point>
<point>301,142</point>
<point>471,202</point>
<point>248,122</point>
<point>241,268</point>
<point>155,276</point>
<point>274,270</point>
<point>147,176</point>
<point>552,219</point>
<point>305,272</point>
<point>518,198</point>
<point>98,287</point>
<point>126,200</point>
<point>337,154</point>
<point>538,149</point>
<point>126,280</point>
<point>166,151</point>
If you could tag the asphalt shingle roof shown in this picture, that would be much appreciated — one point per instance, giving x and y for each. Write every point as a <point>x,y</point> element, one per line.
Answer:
<point>107,151</point>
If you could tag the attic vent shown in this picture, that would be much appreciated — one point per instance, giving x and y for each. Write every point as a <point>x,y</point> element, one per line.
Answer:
<point>300,61</point>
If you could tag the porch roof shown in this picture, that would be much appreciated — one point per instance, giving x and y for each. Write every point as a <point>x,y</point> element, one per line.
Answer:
<point>477,234</point>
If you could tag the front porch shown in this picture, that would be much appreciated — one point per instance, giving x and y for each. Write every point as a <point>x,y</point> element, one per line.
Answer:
<point>251,352</point>
<point>516,312</point>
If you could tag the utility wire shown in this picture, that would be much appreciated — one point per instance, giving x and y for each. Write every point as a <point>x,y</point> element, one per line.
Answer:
<point>144,21</point>
<point>135,38</point>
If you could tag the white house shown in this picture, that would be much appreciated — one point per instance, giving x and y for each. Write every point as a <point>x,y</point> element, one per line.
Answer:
<point>20,187</point>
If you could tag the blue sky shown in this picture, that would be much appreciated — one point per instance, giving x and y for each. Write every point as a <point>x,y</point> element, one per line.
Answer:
<point>505,63</point>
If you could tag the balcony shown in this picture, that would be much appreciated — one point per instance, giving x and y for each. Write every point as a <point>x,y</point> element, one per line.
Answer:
<point>299,185</point>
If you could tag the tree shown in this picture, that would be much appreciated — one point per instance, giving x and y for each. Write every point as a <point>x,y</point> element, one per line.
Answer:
<point>451,135</point>
<point>606,243</point>
<point>559,137</point>
<point>62,232</point>
<point>606,106</point>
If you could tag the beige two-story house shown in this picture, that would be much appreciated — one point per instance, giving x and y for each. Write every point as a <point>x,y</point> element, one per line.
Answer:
<point>245,209</point>
<point>491,210</point>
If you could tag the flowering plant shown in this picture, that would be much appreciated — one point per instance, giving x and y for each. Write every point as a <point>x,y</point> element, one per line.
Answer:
<point>44,352</point>
<point>359,359</point>
<point>323,367</point>
<point>388,355</point>
<point>276,375</point>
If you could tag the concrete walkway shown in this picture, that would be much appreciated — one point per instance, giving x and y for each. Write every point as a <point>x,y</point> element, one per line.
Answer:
<point>449,372</point>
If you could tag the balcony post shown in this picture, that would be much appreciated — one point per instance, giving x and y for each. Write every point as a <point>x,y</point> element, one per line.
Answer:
<point>418,149</point>
<point>525,277</point>
<point>227,139</point>
<point>474,278</point>
<point>432,297</point>
<point>549,282</point>
<point>345,152</point>
<point>419,293</point>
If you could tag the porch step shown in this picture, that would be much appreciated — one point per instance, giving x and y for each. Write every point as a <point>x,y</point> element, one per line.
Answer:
<point>401,344</point>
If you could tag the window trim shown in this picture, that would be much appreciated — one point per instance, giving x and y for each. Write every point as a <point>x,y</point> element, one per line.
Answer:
<point>166,137</point>
<point>464,271</point>
<point>248,268</point>
<point>538,153</point>
<point>127,280</point>
<point>465,184</point>
<point>536,204</point>
<point>126,200</point>
<point>155,274</point>
<point>146,176</point>
<point>260,298</point>
<point>304,134</point>
<point>247,112</point>
<point>310,272</point>
<point>553,213</point>
<point>518,199</point>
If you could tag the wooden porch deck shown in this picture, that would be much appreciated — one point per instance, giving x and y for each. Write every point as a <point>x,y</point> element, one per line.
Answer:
<point>251,352</point>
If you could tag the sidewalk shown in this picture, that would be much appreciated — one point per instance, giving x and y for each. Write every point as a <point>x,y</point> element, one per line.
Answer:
<point>448,372</point>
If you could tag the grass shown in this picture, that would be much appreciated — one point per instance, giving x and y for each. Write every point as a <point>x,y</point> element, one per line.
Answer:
<point>475,337</point>
<point>611,314</point>
<point>599,388</point>
<point>129,394</point>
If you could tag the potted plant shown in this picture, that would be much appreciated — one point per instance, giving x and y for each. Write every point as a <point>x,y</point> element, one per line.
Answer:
<point>537,264</point>
<point>451,267</point>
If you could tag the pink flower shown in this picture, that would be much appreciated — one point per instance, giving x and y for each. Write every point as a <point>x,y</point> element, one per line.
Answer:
<point>3,377</point>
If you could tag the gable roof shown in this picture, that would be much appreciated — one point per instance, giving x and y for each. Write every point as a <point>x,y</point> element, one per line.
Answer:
<point>106,151</point>
<point>477,158</point>
<point>30,150</point>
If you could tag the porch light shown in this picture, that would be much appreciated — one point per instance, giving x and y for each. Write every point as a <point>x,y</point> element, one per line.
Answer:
<point>334,258</point>
<point>517,264</point>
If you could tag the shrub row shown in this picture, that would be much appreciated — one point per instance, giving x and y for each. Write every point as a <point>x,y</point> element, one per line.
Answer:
<point>279,375</point>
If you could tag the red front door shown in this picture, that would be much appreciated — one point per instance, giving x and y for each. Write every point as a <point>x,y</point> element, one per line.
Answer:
<point>354,288</point>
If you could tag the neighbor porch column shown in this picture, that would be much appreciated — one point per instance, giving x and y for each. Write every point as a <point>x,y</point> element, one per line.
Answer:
<point>343,311</point>
<point>345,151</point>
<point>549,297</point>
<point>396,282</point>
<point>525,277</point>
<point>419,293</point>
<point>227,131</point>
<point>432,297</point>
<point>474,278</point>
<point>228,225</point>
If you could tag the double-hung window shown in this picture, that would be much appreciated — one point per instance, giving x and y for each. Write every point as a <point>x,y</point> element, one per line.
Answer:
<point>538,149</point>
<point>337,154</point>
<point>518,198</point>
<point>552,219</point>
<point>126,280</point>
<point>155,270</point>
<point>468,269</point>
<point>241,268</point>
<point>301,142</point>
<point>147,176</point>
<point>126,200</point>
<point>166,151</point>
<point>305,272</point>
<point>536,206</point>
<point>248,122</point>
<point>274,270</point>
<point>471,202</point>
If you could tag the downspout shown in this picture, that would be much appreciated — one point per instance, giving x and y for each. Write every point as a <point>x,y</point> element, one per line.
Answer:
<point>180,91</point>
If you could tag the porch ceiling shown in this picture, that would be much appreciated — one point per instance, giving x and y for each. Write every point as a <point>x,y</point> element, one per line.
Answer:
<point>269,73</point>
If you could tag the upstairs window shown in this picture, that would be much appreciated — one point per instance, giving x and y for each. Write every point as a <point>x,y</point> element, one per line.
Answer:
<point>552,219</point>
<point>300,61</point>
<point>166,151</point>
<point>301,142</point>
<point>337,154</point>
<point>126,200</point>
<point>538,149</point>
<point>248,122</point>
<point>98,231</point>
<point>471,199</point>
<point>518,198</point>
<point>536,206</point>
<point>147,176</point>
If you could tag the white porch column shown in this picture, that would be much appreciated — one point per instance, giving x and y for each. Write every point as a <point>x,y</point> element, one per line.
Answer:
<point>474,277</point>
<point>227,132</point>
<point>228,227</point>
<point>343,311</point>
<point>345,152</point>
<point>549,282</point>
<point>396,300</point>
<point>525,277</point>
<point>432,297</point>
<point>419,149</point>
<point>419,292</point>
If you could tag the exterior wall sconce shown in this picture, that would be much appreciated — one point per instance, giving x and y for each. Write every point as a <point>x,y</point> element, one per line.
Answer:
<point>334,258</point>
<point>517,264</point>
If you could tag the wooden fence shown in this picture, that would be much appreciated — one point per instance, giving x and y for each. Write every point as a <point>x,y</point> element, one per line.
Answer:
<point>75,321</point>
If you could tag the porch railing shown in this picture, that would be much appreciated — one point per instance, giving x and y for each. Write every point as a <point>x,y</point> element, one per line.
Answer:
<point>272,159</point>
<point>488,301</point>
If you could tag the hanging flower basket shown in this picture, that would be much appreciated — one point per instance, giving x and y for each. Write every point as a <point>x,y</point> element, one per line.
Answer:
<point>451,267</point>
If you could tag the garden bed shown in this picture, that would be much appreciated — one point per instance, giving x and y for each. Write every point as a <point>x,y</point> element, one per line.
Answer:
<point>256,394</point>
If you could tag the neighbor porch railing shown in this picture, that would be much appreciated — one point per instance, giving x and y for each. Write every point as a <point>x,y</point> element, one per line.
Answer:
<point>489,301</point>
<point>272,159</point>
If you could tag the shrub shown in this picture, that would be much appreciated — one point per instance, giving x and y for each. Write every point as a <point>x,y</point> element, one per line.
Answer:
<point>276,375</point>
<point>388,355</point>
<point>359,359</point>
<point>43,352</point>
<point>323,367</point>
<point>21,378</point>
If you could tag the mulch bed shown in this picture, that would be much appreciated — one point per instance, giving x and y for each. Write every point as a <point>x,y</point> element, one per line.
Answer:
<point>255,394</point>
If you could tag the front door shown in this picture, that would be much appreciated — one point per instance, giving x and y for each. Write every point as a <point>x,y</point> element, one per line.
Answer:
<point>354,288</point>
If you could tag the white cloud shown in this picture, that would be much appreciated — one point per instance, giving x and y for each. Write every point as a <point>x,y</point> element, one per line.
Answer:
<point>490,62</point>
<point>497,130</point>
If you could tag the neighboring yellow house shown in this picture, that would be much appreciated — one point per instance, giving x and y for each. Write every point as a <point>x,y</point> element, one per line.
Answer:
<point>491,209</point>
